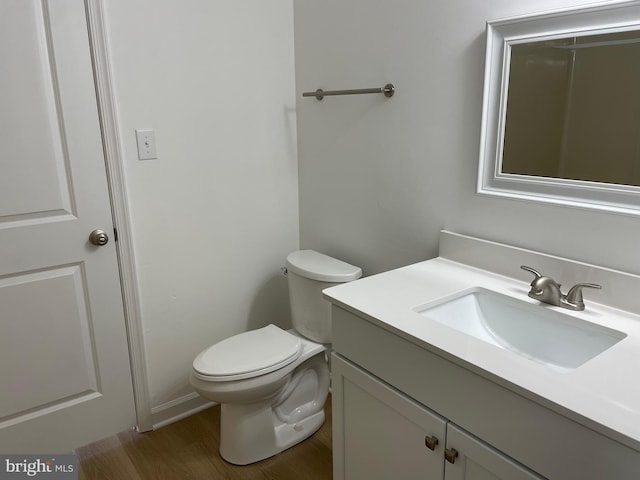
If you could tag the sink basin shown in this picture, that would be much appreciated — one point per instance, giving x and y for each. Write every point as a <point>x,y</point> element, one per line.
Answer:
<point>536,332</point>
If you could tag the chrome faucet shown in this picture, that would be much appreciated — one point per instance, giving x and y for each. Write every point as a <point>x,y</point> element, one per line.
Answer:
<point>547,290</point>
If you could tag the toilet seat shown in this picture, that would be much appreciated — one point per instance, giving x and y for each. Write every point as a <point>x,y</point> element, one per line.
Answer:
<point>249,354</point>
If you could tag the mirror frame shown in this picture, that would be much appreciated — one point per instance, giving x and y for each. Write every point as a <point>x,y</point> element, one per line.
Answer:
<point>501,35</point>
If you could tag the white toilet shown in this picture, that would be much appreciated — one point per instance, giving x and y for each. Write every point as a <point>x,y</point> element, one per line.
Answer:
<point>272,383</point>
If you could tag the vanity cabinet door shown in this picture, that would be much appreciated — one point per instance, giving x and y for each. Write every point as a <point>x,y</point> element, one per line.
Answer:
<point>468,458</point>
<point>379,433</point>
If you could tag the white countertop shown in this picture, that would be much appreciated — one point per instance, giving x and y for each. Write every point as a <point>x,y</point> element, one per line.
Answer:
<point>602,394</point>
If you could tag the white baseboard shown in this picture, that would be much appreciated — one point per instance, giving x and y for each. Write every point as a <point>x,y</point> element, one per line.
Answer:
<point>178,409</point>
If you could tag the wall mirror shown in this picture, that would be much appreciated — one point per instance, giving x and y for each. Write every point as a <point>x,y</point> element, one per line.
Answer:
<point>561,108</point>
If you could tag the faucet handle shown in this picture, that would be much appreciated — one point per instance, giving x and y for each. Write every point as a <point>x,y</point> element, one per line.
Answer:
<point>532,270</point>
<point>574,295</point>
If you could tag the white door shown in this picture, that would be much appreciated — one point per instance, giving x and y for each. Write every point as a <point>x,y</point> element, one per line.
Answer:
<point>65,377</point>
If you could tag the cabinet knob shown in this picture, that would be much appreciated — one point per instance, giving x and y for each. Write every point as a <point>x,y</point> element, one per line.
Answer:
<point>450,455</point>
<point>431,442</point>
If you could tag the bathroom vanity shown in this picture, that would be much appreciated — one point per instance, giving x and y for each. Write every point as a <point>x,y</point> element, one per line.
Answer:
<point>415,397</point>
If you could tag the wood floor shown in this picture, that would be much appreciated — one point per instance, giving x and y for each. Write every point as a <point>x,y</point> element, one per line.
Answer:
<point>188,450</point>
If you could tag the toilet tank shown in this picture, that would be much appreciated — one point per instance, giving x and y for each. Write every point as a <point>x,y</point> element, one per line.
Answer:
<point>308,273</point>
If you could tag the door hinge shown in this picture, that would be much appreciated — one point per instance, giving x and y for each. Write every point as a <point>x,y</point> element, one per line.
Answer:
<point>115,234</point>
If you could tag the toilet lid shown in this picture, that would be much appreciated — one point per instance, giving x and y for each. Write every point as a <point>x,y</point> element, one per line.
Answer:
<point>248,354</point>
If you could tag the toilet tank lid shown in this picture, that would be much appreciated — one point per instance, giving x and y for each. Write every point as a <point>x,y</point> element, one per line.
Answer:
<point>317,266</point>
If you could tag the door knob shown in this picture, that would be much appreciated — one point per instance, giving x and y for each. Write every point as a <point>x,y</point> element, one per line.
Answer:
<point>98,237</point>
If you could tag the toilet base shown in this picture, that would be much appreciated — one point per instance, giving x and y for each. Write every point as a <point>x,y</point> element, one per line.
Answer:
<point>251,432</point>
<point>250,436</point>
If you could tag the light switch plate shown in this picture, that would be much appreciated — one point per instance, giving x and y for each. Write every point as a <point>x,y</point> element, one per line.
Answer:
<point>146,139</point>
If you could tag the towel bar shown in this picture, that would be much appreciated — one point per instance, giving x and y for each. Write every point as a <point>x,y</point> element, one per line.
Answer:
<point>388,91</point>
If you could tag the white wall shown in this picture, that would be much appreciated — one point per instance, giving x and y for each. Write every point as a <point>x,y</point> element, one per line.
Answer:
<point>380,177</point>
<point>215,216</point>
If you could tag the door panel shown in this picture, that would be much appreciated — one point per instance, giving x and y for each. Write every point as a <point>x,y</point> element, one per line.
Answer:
<point>49,337</point>
<point>64,363</point>
<point>35,164</point>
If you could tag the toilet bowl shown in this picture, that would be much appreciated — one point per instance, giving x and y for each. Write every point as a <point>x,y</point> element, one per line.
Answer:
<point>272,384</point>
<point>268,409</point>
